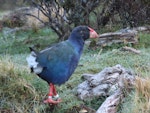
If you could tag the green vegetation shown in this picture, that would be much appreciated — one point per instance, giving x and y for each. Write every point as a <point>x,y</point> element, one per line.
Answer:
<point>22,91</point>
<point>18,43</point>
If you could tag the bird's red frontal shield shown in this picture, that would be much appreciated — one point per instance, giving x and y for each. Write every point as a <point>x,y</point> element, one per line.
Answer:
<point>93,33</point>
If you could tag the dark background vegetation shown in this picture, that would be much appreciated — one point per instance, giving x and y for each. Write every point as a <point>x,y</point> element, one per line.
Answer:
<point>63,15</point>
<point>95,13</point>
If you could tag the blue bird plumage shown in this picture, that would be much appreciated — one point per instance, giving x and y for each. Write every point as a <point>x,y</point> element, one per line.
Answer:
<point>57,63</point>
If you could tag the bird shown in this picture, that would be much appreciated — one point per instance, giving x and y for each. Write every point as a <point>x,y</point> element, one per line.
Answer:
<point>57,63</point>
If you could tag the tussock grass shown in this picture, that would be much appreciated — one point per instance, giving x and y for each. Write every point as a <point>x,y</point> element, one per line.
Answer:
<point>142,95</point>
<point>17,94</point>
<point>139,100</point>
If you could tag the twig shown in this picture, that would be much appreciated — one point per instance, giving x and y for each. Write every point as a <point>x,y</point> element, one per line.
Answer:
<point>130,49</point>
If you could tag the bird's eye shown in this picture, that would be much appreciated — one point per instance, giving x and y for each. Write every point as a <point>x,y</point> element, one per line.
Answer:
<point>81,32</point>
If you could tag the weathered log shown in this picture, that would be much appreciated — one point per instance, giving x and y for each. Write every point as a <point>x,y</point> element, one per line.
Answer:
<point>126,35</point>
<point>111,81</point>
<point>121,36</point>
<point>104,83</point>
<point>110,104</point>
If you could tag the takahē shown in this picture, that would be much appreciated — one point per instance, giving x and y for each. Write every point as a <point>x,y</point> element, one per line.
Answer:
<point>57,63</point>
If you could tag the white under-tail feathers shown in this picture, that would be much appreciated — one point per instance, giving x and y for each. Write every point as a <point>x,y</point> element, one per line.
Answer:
<point>33,64</point>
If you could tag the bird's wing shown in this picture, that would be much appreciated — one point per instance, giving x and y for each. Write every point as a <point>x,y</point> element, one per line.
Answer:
<point>59,54</point>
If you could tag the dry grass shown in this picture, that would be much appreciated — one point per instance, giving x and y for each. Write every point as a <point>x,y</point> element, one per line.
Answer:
<point>17,95</point>
<point>142,95</point>
<point>139,100</point>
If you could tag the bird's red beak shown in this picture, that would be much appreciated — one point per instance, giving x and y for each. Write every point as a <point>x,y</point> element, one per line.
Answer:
<point>93,33</point>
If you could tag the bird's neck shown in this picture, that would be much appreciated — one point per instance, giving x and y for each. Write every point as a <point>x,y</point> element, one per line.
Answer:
<point>77,43</point>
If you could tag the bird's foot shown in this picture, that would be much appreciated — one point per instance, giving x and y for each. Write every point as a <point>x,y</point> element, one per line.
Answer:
<point>56,97</point>
<point>51,101</point>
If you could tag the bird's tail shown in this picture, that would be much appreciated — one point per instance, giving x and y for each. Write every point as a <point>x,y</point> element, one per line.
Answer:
<point>32,63</point>
<point>33,50</point>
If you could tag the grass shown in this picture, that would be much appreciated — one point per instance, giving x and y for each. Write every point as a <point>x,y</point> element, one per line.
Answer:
<point>22,91</point>
<point>18,43</point>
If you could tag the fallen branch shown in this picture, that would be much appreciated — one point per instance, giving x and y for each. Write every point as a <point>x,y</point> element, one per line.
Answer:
<point>144,29</point>
<point>130,49</point>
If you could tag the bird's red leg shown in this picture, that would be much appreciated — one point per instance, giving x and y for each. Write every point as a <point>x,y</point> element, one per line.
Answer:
<point>52,92</point>
<point>55,95</point>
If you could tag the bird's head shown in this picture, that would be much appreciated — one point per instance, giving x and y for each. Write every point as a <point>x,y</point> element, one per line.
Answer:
<point>84,32</point>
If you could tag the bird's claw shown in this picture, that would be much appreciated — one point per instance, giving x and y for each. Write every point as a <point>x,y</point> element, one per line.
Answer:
<point>51,101</point>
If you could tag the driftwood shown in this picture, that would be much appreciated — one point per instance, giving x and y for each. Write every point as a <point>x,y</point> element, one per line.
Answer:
<point>122,36</point>
<point>110,104</point>
<point>112,82</point>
